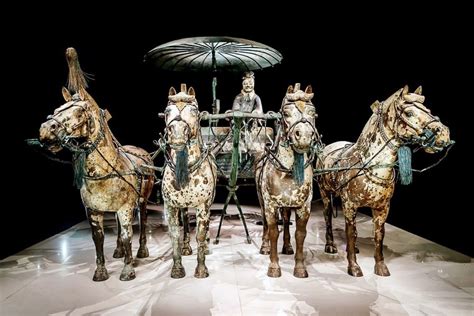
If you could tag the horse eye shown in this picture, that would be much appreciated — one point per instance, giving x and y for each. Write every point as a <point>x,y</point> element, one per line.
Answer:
<point>409,113</point>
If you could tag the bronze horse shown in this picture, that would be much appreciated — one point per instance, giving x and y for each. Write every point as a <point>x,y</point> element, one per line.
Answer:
<point>108,175</point>
<point>284,177</point>
<point>366,176</point>
<point>189,178</point>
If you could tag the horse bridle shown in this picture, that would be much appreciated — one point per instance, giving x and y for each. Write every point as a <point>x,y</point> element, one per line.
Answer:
<point>66,140</point>
<point>427,138</point>
<point>288,128</point>
<point>179,118</point>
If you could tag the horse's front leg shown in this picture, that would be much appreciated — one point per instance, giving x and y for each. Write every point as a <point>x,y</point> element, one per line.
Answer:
<point>143,249</point>
<point>330,247</point>
<point>302,217</point>
<point>350,213</point>
<point>118,252</point>
<point>96,220</point>
<point>379,216</point>
<point>286,215</point>
<point>172,213</point>
<point>186,250</point>
<point>271,213</point>
<point>125,216</point>
<point>265,248</point>
<point>202,226</point>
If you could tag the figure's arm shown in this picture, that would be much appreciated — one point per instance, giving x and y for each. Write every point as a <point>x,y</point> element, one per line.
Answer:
<point>258,105</point>
<point>236,104</point>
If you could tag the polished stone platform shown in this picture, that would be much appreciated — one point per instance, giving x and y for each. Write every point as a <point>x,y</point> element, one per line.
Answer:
<point>54,277</point>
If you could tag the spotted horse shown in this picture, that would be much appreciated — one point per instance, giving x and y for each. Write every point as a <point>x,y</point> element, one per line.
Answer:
<point>107,174</point>
<point>363,172</point>
<point>189,177</point>
<point>284,177</point>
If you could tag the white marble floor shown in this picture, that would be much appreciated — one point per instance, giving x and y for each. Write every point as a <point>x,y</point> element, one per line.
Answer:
<point>54,277</point>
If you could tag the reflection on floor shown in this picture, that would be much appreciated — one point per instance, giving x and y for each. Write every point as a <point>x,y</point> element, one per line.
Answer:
<point>55,276</point>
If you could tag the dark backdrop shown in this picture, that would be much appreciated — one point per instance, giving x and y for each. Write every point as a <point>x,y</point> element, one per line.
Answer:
<point>349,60</point>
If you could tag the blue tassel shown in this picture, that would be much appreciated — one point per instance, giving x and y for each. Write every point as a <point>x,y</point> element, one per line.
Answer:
<point>404,165</point>
<point>298,168</point>
<point>78,167</point>
<point>182,170</point>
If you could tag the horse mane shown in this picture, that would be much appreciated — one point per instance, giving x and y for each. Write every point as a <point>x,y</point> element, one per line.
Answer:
<point>77,78</point>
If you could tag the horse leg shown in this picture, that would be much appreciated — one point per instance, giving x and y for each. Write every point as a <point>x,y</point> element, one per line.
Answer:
<point>143,250</point>
<point>351,237</point>
<point>271,213</point>
<point>126,219</point>
<point>330,246</point>
<point>186,250</point>
<point>96,220</point>
<point>118,252</point>
<point>379,216</point>
<point>202,225</point>
<point>265,248</point>
<point>287,249</point>
<point>172,213</point>
<point>302,217</point>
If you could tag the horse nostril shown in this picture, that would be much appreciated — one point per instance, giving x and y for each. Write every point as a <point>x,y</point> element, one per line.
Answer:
<point>53,126</point>
<point>297,134</point>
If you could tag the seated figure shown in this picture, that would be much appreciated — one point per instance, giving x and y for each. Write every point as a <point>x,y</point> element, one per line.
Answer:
<point>247,100</point>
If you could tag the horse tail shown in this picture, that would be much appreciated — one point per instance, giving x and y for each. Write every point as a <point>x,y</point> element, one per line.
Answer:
<point>77,79</point>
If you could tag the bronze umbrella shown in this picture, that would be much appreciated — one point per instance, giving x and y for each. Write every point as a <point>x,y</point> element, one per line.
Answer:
<point>213,54</point>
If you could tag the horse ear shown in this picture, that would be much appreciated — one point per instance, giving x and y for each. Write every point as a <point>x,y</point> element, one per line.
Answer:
<point>191,91</point>
<point>66,95</point>
<point>308,89</point>
<point>172,91</point>
<point>375,106</point>
<point>418,90</point>
<point>83,95</point>
<point>405,90</point>
<point>290,89</point>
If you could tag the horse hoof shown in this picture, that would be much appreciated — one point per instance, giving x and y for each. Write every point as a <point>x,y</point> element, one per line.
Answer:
<point>287,250</point>
<point>128,273</point>
<point>143,252</point>
<point>265,250</point>
<point>330,249</point>
<point>274,272</point>
<point>100,274</point>
<point>118,253</point>
<point>178,273</point>
<point>381,269</point>
<point>300,273</point>
<point>355,271</point>
<point>356,249</point>
<point>201,272</point>
<point>186,250</point>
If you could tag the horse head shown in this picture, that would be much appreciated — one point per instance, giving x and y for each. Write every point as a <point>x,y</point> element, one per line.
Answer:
<point>72,124</point>
<point>182,128</point>
<point>411,122</point>
<point>181,117</point>
<point>298,118</point>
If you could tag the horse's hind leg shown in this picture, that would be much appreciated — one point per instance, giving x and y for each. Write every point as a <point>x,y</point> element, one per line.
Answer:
<point>202,226</point>
<point>287,249</point>
<point>351,237</point>
<point>302,216</point>
<point>118,252</point>
<point>126,219</point>
<point>186,250</point>
<point>96,220</point>
<point>172,213</point>
<point>143,250</point>
<point>330,246</point>
<point>378,217</point>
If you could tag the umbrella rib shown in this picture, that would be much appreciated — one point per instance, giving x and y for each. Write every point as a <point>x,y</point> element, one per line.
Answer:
<point>179,56</point>
<point>238,58</point>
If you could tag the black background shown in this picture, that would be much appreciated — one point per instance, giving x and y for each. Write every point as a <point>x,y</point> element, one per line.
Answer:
<point>350,60</point>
